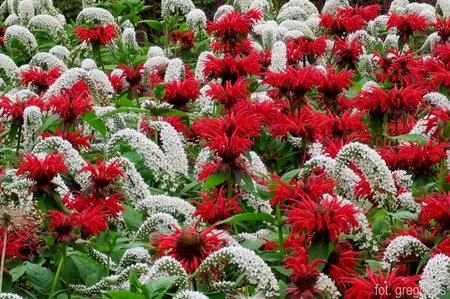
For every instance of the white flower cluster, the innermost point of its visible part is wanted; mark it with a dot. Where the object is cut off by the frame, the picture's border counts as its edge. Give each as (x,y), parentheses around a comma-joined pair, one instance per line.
(435,280)
(444,7)
(170,7)
(129,38)
(374,169)
(21,34)
(398,6)
(160,222)
(256,203)
(131,256)
(306,5)
(95,15)
(164,267)
(9,67)
(221,11)
(153,63)
(263,5)
(68,79)
(25,10)
(278,60)
(249,263)
(403,247)
(72,157)
(203,157)
(155,51)
(167,204)
(200,66)
(113,123)
(47,61)
(196,20)
(257,166)
(292,13)
(330,6)
(101,258)
(52,24)
(326,285)
(438,100)
(405,199)
(175,70)
(10,296)
(204,103)
(32,122)
(103,87)
(186,294)
(133,185)
(421,9)
(89,64)
(259,234)
(242,5)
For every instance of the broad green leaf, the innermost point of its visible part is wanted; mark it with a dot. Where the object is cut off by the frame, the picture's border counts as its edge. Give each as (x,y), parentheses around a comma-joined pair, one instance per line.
(132,218)
(122,294)
(290,175)
(159,91)
(40,278)
(49,122)
(17,272)
(319,249)
(249,217)
(213,180)
(157,288)
(91,118)
(409,137)
(153,24)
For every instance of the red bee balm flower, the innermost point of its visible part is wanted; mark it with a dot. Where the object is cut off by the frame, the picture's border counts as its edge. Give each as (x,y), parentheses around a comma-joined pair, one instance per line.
(132,75)
(437,207)
(15,108)
(215,208)
(407,24)
(75,138)
(42,170)
(189,247)
(63,226)
(40,78)
(179,92)
(229,94)
(97,34)
(102,175)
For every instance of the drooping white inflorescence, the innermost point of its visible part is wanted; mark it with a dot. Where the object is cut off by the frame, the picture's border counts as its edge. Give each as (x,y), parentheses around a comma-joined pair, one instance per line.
(435,280)
(164,267)
(95,15)
(258,204)
(25,10)
(135,255)
(327,286)
(103,87)
(101,258)
(167,204)
(253,267)
(186,294)
(32,122)
(60,52)
(170,7)
(68,79)
(278,61)
(200,66)
(134,185)
(155,51)
(129,38)
(292,13)
(159,222)
(47,22)
(257,166)
(373,168)
(8,67)
(47,61)
(21,34)
(196,20)
(403,247)
(175,70)
(438,100)
(444,7)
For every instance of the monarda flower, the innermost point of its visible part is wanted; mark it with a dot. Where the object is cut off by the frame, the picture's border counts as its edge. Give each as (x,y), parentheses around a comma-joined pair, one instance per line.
(71,103)
(231,68)
(229,94)
(443,29)
(103,175)
(437,207)
(378,285)
(304,48)
(63,225)
(39,78)
(406,25)
(76,138)
(327,219)
(346,53)
(132,75)
(190,247)
(14,109)
(110,206)
(304,278)
(185,40)
(180,92)
(97,35)
(215,208)
(42,170)
(331,84)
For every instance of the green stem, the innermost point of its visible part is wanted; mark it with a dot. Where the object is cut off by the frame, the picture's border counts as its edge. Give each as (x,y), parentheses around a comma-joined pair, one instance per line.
(2,263)
(280,229)
(97,52)
(230,187)
(58,272)
(19,137)
(64,254)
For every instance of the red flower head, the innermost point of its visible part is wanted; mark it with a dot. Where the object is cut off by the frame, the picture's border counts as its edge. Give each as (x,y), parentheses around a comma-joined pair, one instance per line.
(215,208)
(305,279)
(399,68)
(175,121)
(346,125)
(442,52)
(443,29)
(407,24)
(437,207)
(91,221)
(117,82)
(231,68)
(331,84)
(232,29)
(441,76)
(185,40)
(97,34)
(2,34)
(75,138)
(179,92)
(111,205)
(42,170)
(39,78)
(329,218)
(190,247)
(132,75)
(15,108)
(20,243)
(303,47)
(379,286)
(347,53)
(229,94)
(341,264)
(443,247)
(63,225)
(71,103)
(102,175)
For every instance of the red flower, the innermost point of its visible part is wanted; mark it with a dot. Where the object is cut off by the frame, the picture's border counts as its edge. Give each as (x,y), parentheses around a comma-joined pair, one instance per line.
(15,108)
(175,121)
(71,103)
(380,286)
(229,94)
(347,53)
(117,82)
(331,85)
(437,207)
(63,225)
(132,75)
(443,247)
(407,24)
(215,208)
(190,247)
(399,68)
(185,40)
(346,125)
(231,69)
(179,92)
(42,171)
(39,78)
(111,205)
(441,76)
(232,29)
(330,218)
(442,52)
(341,264)
(75,138)
(102,175)
(91,221)
(97,34)
(443,29)
(2,34)
(303,47)
(20,243)
(348,19)
(304,278)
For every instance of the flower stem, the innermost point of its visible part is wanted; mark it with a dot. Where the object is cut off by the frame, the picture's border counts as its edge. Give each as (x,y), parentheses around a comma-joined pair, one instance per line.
(2,263)
(19,137)
(58,272)
(280,229)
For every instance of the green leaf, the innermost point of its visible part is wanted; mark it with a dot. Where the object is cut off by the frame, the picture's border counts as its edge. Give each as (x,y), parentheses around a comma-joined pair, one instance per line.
(379,226)
(91,118)
(249,217)
(17,272)
(213,180)
(374,265)
(153,24)
(49,122)
(157,288)
(40,278)
(159,91)
(409,137)
(122,110)
(132,218)
(85,267)
(246,182)
(290,175)
(123,294)
(319,249)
